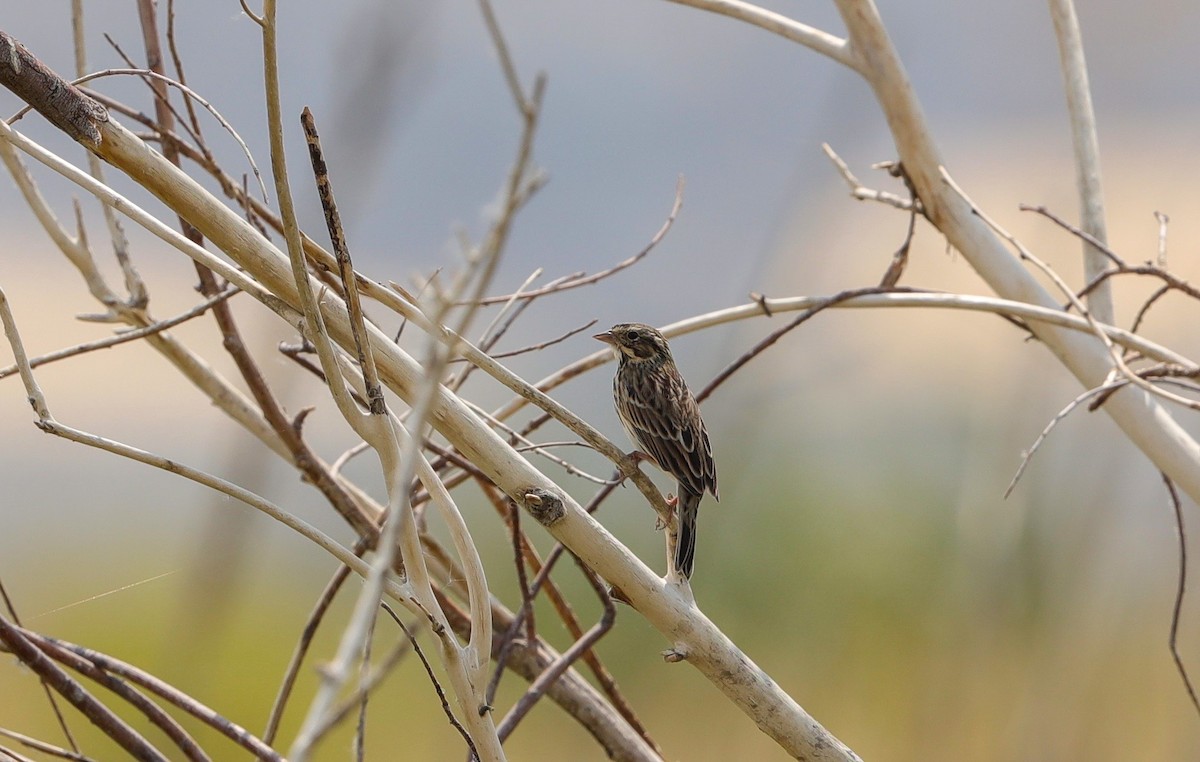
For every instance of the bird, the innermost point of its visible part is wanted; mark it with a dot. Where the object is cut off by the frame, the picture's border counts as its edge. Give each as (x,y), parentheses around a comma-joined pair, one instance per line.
(657,409)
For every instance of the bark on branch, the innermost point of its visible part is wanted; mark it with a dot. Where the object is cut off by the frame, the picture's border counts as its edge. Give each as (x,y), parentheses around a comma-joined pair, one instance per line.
(50,95)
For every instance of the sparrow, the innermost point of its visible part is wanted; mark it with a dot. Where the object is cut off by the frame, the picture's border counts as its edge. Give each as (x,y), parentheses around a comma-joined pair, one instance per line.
(662,418)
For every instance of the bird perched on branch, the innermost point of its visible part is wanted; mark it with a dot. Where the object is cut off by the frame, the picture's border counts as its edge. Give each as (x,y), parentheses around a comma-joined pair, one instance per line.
(663,420)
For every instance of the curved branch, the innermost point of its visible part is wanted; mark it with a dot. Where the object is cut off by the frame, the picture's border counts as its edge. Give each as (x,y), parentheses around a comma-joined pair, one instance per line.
(820,41)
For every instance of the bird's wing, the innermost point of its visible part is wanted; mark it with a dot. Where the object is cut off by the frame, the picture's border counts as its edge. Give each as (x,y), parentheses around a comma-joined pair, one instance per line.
(668,427)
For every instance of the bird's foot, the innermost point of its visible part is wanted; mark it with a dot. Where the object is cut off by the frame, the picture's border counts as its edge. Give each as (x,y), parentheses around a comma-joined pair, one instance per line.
(630,464)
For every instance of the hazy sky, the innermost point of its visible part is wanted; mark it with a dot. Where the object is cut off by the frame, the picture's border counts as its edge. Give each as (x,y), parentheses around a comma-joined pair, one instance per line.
(420,129)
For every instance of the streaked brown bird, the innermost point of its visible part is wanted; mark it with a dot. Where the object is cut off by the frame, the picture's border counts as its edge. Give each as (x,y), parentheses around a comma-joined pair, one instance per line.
(663,420)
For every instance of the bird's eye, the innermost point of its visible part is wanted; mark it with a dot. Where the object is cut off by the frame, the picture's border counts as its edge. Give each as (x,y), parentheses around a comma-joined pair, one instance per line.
(634,335)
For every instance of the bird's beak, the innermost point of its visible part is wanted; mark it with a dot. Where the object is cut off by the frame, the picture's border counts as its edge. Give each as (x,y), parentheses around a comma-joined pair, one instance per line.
(606,337)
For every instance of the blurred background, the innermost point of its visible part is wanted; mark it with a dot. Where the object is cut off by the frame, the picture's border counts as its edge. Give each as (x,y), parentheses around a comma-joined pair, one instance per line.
(862,552)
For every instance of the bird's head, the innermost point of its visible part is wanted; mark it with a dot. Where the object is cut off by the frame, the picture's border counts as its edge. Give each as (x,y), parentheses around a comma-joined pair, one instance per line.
(636,342)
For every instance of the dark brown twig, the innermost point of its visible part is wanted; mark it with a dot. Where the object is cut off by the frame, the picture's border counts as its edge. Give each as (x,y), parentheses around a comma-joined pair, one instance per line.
(324,600)
(1122,268)
(900,259)
(544,344)
(433,679)
(518,540)
(58,715)
(167,692)
(164,111)
(791,325)
(354,701)
(150,710)
(580,647)
(1180,591)
(337,236)
(1159,293)
(181,78)
(96,712)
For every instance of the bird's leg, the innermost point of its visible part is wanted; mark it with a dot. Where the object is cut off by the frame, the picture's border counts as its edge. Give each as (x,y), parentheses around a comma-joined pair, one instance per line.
(637,456)
(672,503)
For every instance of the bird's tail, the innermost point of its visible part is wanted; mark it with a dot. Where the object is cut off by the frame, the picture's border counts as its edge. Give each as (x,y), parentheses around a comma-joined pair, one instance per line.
(685,541)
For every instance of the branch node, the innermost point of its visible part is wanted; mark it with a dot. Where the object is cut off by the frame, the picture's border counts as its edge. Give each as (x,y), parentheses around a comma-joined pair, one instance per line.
(761,301)
(675,655)
(545,506)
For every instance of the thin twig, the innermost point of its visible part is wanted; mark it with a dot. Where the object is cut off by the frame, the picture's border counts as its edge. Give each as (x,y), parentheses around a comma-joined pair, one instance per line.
(1027,456)
(1078,232)
(369,683)
(153,713)
(169,693)
(125,336)
(165,114)
(511,310)
(134,285)
(817,40)
(44,747)
(900,259)
(487,338)
(780,332)
(568,657)
(514,526)
(1180,591)
(530,446)
(506,62)
(1115,357)
(186,91)
(54,707)
(341,250)
(433,679)
(863,193)
(364,693)
(549,343)
(100,715)
(585,280)
(1159,293)
(324,600)
(177,61)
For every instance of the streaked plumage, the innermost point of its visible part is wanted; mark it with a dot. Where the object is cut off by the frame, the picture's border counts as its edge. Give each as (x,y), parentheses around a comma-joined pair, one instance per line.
(663,420)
